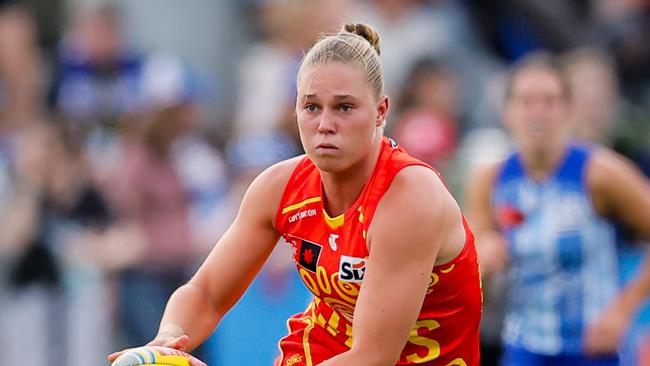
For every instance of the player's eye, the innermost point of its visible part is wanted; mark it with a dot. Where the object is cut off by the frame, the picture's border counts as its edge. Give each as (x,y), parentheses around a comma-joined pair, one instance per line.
(311,108)
(345,107)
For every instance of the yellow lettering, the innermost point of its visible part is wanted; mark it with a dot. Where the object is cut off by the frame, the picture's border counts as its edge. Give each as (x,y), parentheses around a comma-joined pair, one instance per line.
(432,346)
(457,362)
(293,360)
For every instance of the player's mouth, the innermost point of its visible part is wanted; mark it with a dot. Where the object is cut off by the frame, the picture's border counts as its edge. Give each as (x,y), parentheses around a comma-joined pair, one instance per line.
(326,147)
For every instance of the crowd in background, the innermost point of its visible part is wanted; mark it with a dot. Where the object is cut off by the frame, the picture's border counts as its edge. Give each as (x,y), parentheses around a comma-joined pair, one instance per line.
(121,162)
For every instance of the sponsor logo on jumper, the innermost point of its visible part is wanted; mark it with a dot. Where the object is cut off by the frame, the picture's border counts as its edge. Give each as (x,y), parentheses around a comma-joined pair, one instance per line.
(332,241)
(352,269)
(302,214)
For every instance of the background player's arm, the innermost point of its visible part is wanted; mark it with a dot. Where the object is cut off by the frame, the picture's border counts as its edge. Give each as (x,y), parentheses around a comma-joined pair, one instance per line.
(491,246)
(411,224)
(619,191)
(195,308)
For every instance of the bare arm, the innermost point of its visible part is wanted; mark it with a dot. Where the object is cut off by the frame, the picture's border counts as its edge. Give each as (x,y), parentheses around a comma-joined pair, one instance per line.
(621,192)
(490,244)
(194,310)
(412,225)
(197,307)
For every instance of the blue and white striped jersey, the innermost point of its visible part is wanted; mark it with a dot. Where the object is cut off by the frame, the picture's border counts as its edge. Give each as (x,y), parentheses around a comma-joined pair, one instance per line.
(563,265)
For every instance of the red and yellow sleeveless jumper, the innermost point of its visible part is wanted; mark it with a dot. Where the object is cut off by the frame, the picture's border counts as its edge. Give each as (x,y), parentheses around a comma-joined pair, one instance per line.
(330,255)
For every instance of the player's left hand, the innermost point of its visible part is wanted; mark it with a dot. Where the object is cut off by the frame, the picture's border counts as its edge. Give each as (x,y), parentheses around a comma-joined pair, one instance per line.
(604,336)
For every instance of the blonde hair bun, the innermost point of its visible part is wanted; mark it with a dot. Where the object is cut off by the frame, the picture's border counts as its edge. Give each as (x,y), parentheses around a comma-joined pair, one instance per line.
(366,32)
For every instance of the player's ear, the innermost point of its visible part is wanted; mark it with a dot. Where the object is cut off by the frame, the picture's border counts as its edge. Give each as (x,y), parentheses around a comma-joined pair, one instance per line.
(382,110)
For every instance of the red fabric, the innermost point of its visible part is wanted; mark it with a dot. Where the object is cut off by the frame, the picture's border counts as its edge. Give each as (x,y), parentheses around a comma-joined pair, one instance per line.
(446,332)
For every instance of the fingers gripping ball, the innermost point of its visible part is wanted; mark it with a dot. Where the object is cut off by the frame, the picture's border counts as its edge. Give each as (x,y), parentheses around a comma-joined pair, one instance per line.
(154,356)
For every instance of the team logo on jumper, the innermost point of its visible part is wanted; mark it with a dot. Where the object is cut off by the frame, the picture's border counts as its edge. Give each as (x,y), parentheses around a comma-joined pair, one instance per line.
(332,241)
(309,254)
(352,269)
(393,143)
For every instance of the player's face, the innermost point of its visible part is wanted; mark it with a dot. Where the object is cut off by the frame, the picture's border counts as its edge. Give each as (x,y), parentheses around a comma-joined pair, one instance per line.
(537,110)
(338,115)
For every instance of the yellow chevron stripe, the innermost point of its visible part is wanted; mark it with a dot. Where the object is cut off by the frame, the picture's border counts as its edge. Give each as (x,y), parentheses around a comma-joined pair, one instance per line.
(334,222)
(298,205)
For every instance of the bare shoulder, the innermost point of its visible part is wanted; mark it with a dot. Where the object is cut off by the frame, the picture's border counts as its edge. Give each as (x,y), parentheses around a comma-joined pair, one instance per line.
(268,188)
(419,192)
(416,215)
(417,182)
(613,179)
(606,165)
(609,170)
(275,177)
(619,190)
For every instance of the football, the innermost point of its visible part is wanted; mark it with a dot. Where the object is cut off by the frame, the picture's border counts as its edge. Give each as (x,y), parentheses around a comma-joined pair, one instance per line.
(154,356)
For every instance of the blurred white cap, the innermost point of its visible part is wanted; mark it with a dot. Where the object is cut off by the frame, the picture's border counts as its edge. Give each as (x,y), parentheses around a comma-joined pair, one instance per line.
(166,82)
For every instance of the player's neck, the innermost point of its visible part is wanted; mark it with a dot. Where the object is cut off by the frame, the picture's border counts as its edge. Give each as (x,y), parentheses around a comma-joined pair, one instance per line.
(540,165)
(341,189)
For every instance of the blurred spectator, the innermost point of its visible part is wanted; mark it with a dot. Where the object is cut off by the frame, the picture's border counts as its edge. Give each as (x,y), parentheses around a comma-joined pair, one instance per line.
(158,192)
(97,80)
(600,114)
(267,72)
(427,123)
(28,275)
(62,242)
(73,219)
(514,28)
(20,69)
(595,105)
(438,29)
(48,16)
(31,276)
(169,83)
(626,24)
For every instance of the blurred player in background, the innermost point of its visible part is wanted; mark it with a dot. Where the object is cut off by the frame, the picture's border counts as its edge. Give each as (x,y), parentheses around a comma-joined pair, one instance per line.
(547,214)
(357,209)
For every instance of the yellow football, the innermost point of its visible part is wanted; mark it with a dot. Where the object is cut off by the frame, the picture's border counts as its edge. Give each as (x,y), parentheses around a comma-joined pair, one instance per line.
(153,356)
